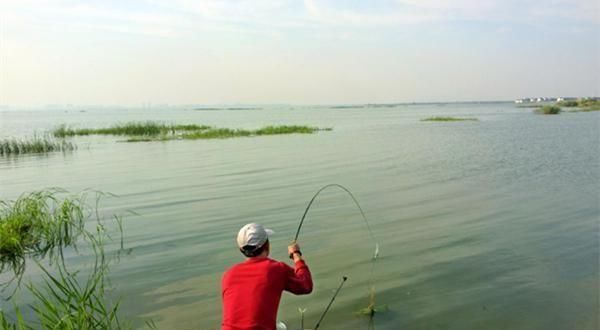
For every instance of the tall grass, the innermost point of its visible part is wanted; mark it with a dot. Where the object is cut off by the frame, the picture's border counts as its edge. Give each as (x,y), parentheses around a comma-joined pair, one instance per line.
(273,130)
(38,224)
(147,128)
(153,131)
(41,222)
(223,133)
(36,144)
(67,300)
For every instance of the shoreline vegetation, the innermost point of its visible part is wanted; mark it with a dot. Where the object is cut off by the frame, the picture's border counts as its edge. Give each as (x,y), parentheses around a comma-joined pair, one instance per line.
(582,105)
(449,119)
(579,105)
(34,145)
(39,226)
(153,131)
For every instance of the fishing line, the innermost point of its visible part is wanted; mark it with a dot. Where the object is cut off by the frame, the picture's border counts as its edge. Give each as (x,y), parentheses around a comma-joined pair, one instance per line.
(370,310)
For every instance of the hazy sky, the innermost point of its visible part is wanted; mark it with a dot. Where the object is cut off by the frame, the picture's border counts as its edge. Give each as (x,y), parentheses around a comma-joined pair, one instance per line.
(279,51)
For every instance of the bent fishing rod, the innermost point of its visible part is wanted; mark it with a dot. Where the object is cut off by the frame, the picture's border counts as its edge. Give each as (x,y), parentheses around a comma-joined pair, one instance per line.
(371,306)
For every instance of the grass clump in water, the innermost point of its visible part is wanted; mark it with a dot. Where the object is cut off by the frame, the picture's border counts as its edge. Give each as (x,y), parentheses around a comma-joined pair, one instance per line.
(40,223)
(449,119)
(36,144)
(36,225)
(549,110)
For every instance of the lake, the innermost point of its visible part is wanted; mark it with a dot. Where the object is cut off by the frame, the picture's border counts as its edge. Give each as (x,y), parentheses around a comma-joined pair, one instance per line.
(488,224)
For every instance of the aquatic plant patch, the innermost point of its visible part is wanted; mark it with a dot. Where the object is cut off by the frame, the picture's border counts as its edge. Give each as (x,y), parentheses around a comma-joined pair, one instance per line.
(449,119)
(154,131)
(40,223)
(33,145)
(224,133)
(148,128)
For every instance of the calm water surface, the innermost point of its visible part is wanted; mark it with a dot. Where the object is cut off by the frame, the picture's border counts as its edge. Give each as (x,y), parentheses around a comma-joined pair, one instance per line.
(482,225)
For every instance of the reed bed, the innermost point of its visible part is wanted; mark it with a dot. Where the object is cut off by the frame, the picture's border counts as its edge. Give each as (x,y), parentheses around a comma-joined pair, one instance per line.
(449,119)
(224,133)
(147,128)
(155,131)
(36,144)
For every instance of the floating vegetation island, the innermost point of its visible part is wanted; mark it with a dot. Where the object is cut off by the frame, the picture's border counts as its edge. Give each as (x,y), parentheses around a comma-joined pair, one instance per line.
(133,128)
(33,145)
(153,131)
(449,119)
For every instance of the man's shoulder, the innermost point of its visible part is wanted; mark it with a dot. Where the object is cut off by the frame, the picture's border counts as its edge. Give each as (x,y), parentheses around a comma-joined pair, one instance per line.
(231,269)
(280,264)
(266,262)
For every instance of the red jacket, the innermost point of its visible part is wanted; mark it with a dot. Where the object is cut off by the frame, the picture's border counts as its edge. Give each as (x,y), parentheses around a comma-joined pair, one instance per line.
(251,291)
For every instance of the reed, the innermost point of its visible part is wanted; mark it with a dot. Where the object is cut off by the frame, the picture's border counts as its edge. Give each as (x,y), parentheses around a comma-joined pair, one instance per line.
(147,128)
(449,119)
(274,130)
(39,223)
(36,144)
(224,133)
(36,225)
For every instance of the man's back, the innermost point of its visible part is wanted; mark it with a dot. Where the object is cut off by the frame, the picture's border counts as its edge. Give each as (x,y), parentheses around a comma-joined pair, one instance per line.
(252,290)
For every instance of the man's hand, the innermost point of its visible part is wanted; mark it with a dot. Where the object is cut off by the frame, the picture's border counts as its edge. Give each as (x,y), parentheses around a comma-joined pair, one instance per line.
(294,252)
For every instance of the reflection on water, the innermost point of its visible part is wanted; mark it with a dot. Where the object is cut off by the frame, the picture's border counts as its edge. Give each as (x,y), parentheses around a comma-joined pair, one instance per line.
(490,224)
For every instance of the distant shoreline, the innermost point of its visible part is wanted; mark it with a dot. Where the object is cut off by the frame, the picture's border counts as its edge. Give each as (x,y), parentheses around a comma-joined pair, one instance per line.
(242,107)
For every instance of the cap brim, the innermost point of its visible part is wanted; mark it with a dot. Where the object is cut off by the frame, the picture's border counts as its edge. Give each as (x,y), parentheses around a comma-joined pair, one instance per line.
(269,231)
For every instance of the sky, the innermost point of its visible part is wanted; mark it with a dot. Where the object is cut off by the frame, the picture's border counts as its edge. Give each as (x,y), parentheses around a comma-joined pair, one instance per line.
(119,52)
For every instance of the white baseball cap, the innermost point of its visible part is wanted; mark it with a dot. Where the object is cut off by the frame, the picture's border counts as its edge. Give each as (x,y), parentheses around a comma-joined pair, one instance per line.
(253,234)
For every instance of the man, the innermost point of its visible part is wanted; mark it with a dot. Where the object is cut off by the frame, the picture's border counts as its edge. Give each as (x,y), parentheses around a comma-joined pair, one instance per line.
(251,290)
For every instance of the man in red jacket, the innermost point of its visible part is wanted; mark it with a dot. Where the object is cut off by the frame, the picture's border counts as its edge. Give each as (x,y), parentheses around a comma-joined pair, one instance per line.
(251,290)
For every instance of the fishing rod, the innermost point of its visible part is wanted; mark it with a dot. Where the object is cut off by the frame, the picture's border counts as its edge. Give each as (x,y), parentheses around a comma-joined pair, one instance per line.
(317,194)
(371,309)
(331,302)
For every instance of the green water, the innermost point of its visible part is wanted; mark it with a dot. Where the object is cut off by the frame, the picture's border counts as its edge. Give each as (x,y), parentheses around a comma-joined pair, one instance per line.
(482,225)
